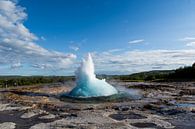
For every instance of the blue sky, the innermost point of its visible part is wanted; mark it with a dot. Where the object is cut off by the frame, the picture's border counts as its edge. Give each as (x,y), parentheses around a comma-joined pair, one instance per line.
(124,36)
(107,24)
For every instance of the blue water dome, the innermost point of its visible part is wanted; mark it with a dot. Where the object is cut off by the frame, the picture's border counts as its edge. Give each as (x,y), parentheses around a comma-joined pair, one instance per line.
(87,85)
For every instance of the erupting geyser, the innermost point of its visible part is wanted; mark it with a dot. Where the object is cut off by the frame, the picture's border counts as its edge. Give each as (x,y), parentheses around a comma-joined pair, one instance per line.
(87,85)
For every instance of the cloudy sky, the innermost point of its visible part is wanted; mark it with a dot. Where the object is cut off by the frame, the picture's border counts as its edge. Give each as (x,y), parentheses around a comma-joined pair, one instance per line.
(41,37)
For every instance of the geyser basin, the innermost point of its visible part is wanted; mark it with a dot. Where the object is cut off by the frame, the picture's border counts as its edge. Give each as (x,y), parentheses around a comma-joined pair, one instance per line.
(87,85)
(123,95)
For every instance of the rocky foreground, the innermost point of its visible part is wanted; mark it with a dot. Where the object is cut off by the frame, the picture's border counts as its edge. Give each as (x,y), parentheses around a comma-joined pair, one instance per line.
(162,106)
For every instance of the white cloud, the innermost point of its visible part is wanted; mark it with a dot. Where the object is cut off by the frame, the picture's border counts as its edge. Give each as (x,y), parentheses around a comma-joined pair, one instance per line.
(42,66)
(17,43)
(115,50)
(16,65)
(187,39)
(75,45)
(75,48)
(43,38)
(136,61)
(191,44)
(136,41)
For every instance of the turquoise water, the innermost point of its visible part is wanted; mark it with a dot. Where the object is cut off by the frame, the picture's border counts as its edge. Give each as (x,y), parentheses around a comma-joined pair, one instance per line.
(87,85)
(124,94)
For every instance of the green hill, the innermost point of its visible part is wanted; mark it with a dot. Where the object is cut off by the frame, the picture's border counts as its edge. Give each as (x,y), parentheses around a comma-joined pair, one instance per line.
(180,74)
(184,73)
(144,76)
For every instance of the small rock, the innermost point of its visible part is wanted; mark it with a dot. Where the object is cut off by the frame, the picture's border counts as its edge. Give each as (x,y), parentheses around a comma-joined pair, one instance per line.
(32,113)
(124,108)
(7,125)
(90,108)
(50,116)
(115,108)
(193,111)
(73,115)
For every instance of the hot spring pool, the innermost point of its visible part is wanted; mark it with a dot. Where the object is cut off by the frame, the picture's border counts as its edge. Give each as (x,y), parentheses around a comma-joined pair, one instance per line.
(124,94)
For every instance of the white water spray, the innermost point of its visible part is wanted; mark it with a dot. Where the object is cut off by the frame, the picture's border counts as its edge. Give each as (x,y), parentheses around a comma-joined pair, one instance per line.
(87,85)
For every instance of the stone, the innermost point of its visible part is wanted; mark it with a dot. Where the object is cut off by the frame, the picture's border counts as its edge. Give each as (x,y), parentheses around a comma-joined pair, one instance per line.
(7,125)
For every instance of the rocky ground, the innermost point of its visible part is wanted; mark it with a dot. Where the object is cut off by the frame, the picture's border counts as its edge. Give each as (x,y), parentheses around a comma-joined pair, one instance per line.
(160,106)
